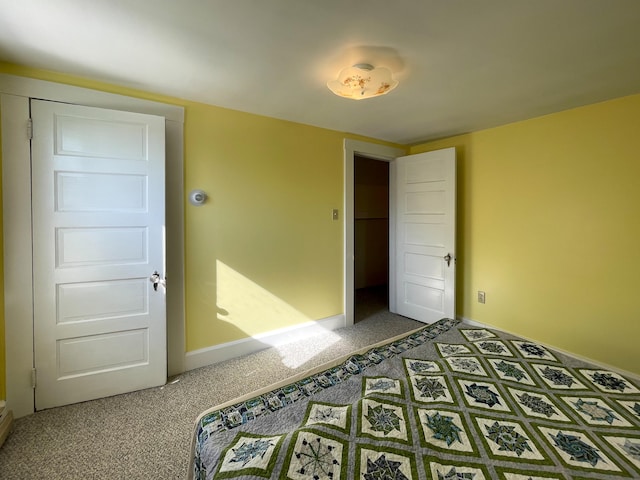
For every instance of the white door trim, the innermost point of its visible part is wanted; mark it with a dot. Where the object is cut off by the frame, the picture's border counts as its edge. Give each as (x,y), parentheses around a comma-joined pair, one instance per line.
(14,106)
(377,152)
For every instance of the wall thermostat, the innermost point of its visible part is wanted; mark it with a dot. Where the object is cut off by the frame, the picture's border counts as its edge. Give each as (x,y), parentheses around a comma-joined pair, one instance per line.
(197,197)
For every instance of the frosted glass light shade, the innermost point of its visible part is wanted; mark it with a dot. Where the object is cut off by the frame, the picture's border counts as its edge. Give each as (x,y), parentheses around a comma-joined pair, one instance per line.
(362,81)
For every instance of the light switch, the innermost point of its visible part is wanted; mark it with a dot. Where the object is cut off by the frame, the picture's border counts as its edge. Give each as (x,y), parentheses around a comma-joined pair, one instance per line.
(334,214)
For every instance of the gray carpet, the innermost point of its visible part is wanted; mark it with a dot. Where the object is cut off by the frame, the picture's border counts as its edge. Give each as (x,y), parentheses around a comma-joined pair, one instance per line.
(147,434)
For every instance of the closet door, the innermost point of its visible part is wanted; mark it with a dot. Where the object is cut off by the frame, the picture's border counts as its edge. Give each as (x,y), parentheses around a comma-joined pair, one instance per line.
(98,236)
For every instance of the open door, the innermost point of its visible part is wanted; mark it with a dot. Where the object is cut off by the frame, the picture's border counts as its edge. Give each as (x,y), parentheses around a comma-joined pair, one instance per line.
(424,251)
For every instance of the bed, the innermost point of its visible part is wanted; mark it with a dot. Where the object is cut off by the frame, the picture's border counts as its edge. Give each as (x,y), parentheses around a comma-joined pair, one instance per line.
(447,401)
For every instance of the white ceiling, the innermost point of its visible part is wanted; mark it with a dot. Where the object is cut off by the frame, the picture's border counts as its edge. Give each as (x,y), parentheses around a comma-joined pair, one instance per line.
(463,65)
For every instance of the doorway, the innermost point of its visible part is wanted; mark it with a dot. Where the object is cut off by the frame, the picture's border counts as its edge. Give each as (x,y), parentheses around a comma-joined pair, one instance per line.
(421,230)
(371,237)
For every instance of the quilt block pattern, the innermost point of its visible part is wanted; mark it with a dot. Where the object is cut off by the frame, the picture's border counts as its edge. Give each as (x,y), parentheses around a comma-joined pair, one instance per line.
(448,403)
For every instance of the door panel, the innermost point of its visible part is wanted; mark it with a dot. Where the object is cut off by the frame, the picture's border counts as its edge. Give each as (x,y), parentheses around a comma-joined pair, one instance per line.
(98,213)
(100,138)
(423,296)
(426,266)
(93,192)
(422,234)
(425,233)
(425,202)
(102,353)
(92,301)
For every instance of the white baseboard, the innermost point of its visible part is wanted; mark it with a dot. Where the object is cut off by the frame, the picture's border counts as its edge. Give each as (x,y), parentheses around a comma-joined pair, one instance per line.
(226,351)
(598,364)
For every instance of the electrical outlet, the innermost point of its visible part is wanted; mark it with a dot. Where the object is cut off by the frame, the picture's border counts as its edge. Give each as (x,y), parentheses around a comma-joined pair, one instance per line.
(334,214)
(481,296)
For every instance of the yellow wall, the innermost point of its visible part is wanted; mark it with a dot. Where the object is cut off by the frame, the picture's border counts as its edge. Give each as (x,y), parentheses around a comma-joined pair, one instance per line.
(264,253)
(549,222)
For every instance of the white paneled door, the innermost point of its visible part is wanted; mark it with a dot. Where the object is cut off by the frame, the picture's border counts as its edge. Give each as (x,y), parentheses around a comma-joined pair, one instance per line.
(425,206)
(98,227)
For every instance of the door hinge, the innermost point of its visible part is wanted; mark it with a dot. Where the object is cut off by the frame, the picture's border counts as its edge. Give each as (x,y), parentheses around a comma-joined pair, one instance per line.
(33,378)
(30,129)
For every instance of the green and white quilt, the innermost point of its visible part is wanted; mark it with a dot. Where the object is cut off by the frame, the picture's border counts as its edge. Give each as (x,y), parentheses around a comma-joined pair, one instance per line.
(447,401)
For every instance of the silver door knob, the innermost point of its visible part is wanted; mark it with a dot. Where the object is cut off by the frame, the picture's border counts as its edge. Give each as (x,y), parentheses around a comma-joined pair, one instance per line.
(155,279)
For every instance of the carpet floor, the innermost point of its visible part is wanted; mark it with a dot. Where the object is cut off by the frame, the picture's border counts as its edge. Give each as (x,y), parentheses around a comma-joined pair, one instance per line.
(147,434)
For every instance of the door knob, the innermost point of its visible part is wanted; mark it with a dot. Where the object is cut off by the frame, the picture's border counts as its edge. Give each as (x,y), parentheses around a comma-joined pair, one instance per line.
(447,257)
(155,279)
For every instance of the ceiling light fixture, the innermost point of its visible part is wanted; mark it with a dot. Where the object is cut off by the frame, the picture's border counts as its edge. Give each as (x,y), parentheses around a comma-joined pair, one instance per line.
(362,81)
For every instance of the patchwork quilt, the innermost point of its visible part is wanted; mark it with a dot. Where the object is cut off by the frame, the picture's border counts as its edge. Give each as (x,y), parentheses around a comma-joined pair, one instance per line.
(447,401)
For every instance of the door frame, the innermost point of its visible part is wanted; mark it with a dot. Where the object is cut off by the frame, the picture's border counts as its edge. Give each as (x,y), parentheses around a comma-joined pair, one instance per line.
(15,93)
(377,152)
